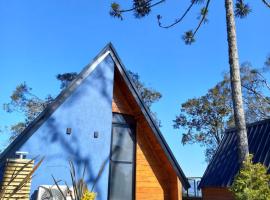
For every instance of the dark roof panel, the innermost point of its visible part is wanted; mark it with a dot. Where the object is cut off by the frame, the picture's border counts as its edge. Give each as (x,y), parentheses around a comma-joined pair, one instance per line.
(224,165)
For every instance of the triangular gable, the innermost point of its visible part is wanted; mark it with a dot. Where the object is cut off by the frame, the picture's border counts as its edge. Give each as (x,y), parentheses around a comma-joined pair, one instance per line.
(108,50)
(120,66)
(59,100)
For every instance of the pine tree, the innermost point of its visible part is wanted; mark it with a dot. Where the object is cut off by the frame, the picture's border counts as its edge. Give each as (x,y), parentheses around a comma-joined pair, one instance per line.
(241,10)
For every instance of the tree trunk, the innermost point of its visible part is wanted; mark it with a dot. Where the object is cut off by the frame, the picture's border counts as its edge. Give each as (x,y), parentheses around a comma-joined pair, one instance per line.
(239,115)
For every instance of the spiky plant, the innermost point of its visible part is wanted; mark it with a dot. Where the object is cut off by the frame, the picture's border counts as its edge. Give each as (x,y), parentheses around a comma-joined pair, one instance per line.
(80,190)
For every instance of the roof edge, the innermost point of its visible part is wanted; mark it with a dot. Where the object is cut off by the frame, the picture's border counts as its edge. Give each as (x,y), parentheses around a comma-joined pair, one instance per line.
(266,120)
(211,161)
(149,118)
(64,94)
(228,132)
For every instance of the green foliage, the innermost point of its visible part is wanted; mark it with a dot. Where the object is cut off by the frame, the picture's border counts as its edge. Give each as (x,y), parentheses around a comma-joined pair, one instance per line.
(142,8)
(149,95)
(25,102)
(252,182)
(116,11)
(255,89)
(241,9)
(188,37)
(16,129)
(66,79)
(203,120)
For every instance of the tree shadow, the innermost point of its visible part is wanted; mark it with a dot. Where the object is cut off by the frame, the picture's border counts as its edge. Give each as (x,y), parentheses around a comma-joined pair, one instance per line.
(53,143)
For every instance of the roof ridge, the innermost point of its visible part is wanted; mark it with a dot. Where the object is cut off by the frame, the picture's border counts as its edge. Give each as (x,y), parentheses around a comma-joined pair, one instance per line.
(64,94)
(35,124)
(263,121)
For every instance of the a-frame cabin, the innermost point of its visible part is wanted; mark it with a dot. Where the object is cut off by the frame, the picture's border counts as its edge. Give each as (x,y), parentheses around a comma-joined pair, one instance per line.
(108,122)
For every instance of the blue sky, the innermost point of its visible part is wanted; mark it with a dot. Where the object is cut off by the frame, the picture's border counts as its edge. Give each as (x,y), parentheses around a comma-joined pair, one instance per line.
(40,39)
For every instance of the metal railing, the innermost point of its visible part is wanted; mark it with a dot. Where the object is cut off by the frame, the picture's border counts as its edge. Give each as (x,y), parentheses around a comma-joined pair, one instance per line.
(193,191)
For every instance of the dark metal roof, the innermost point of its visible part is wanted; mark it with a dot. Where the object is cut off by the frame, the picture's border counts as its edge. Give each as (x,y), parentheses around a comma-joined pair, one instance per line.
(67,92)
(224,165)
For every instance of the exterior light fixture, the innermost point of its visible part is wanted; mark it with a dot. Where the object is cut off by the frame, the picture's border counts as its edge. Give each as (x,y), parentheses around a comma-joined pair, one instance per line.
(96,134)
(69,130)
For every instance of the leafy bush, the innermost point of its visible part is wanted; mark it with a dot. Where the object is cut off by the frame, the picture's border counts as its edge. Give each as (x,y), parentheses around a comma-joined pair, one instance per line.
(252,182)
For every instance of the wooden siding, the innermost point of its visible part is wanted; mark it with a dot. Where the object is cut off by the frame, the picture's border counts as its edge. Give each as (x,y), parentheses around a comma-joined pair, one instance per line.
(155,177)
(179,189)
(17,169)
(217,194)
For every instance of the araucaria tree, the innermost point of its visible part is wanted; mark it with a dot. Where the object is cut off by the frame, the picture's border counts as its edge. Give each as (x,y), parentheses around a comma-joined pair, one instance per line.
(142,8)
(239,116)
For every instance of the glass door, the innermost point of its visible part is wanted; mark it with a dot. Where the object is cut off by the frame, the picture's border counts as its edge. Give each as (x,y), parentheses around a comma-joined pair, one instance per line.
(121,182)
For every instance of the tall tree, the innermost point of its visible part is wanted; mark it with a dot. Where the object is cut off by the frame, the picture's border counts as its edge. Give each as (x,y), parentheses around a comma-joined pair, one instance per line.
(142,8)
(24,101)
(203,120)
(239,115)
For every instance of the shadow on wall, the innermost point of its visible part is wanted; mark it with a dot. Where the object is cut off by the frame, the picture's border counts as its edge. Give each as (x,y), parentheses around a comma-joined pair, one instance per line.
(86,110)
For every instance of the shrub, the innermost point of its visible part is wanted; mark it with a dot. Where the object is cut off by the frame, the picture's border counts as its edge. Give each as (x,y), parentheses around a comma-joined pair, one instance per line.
(252,182)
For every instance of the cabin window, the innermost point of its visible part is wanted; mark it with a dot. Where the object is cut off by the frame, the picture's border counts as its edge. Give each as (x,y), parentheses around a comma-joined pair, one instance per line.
(121,184)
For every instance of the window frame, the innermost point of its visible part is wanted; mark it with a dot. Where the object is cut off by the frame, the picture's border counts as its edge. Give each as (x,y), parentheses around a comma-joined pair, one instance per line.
(126,121)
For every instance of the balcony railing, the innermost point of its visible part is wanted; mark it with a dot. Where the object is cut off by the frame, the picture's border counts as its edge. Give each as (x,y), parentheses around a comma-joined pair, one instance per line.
(193,191)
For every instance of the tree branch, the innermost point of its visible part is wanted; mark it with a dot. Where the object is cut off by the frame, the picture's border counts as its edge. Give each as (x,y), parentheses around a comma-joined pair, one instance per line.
(179,19)
(216,136)
(257,94)
(266,3)
(264,80)
(254,108)
(134,8)
(203,17)
(155,4)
